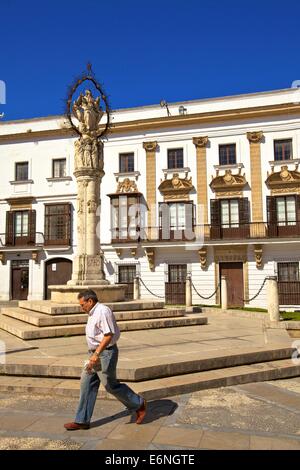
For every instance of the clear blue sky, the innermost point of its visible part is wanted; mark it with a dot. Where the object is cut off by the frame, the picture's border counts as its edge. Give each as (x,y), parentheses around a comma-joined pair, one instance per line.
(145,51)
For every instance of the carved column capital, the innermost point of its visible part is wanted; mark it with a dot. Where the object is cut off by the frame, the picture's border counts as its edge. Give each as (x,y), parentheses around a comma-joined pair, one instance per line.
(200,141)
(258,251)
(150,146)
(203,256)
(255,137)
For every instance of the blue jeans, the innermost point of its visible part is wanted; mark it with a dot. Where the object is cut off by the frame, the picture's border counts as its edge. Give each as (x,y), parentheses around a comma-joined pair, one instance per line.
(89,385)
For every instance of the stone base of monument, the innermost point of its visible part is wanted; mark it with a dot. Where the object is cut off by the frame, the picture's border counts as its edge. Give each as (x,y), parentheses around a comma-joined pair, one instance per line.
(105,292)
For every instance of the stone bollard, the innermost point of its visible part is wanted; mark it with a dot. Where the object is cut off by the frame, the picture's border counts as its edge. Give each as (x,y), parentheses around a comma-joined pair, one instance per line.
(273,298)
(136,288)
(224,303)
(188,292)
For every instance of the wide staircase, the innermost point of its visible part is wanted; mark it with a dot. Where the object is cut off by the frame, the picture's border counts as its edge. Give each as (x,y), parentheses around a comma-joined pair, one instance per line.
(156,359)
(46,319)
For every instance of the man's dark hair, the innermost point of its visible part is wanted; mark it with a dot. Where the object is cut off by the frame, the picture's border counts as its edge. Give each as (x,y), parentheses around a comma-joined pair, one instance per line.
(87,295)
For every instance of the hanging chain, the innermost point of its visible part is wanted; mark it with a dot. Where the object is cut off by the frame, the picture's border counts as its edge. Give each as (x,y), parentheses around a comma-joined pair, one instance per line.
(152,293)
(257,294)
(202,297)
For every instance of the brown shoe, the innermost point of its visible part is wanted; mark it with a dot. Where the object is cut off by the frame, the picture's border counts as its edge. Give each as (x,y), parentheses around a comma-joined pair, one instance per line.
(141,413)
(74,426)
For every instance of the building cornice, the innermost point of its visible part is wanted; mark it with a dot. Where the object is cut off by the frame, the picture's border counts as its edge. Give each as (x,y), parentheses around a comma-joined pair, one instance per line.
(169,121)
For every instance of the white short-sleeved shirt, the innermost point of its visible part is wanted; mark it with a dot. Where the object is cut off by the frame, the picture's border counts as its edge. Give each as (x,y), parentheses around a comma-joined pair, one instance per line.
(101,321)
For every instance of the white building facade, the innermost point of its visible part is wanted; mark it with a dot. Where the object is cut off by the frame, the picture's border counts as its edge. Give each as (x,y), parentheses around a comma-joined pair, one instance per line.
(213,189)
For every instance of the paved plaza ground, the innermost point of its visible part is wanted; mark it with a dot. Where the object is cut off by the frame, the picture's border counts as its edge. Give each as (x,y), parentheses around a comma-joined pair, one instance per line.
(253,416)
(263,415)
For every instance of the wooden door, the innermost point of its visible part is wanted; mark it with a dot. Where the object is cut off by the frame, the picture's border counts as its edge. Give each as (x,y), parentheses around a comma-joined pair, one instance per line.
(175,287)
(126,275)
(235,283)
(19,287)
(58,272)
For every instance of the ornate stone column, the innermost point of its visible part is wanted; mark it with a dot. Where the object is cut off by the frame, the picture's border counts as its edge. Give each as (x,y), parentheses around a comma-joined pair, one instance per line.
(151,148)
(88,263)
(255,139)
(201,144)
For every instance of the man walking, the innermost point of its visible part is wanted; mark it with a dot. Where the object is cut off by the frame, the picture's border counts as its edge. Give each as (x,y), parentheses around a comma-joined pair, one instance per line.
(102,334)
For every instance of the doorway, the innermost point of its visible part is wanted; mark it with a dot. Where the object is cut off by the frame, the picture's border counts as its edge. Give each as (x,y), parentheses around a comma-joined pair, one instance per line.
(175,287)
(235,283)
(19,279)
(58,272)
(126,275)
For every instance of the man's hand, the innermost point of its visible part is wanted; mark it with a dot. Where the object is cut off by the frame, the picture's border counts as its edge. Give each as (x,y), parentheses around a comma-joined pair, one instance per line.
(93,361)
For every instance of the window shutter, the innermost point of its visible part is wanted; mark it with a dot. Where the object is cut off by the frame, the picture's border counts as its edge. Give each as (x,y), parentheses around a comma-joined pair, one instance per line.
(32,219)
(68,223)
(9,235)
(244,217)
(215,212)
(271,210)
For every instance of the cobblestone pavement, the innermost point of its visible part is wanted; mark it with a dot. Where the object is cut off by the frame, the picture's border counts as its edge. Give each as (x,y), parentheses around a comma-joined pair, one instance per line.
(262,415)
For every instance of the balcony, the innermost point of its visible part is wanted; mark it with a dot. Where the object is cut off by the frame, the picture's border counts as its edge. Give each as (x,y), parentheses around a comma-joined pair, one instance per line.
(207,233)
(23,242)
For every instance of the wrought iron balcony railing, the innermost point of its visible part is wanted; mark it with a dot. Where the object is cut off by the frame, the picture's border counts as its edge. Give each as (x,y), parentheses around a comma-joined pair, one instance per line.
(248,231)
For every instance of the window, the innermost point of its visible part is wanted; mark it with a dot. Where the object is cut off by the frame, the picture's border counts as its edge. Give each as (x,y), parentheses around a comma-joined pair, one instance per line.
(21,226)
(126,162)
(286,210)
(57,224)
(21,171)
(175,158)
(288,271)
(230,213)
(177,216)
(59,168)
(227,154)
(283,149)
(177,272)
(126,217)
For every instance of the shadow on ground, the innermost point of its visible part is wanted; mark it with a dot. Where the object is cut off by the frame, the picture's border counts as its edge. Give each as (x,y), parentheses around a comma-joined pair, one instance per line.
(156,409)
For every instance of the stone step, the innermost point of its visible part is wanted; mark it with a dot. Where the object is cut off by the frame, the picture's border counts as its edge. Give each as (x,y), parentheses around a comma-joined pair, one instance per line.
(161,388)
(27,332)
(54,308)
(144,369)
(42,319)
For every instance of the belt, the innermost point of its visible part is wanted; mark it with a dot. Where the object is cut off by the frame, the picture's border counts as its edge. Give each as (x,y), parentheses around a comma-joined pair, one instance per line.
(109,347)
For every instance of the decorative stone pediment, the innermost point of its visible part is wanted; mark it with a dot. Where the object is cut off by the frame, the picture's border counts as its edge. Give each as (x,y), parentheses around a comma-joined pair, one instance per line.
(176,188)
(127,186)
(284,178)
(228,181)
